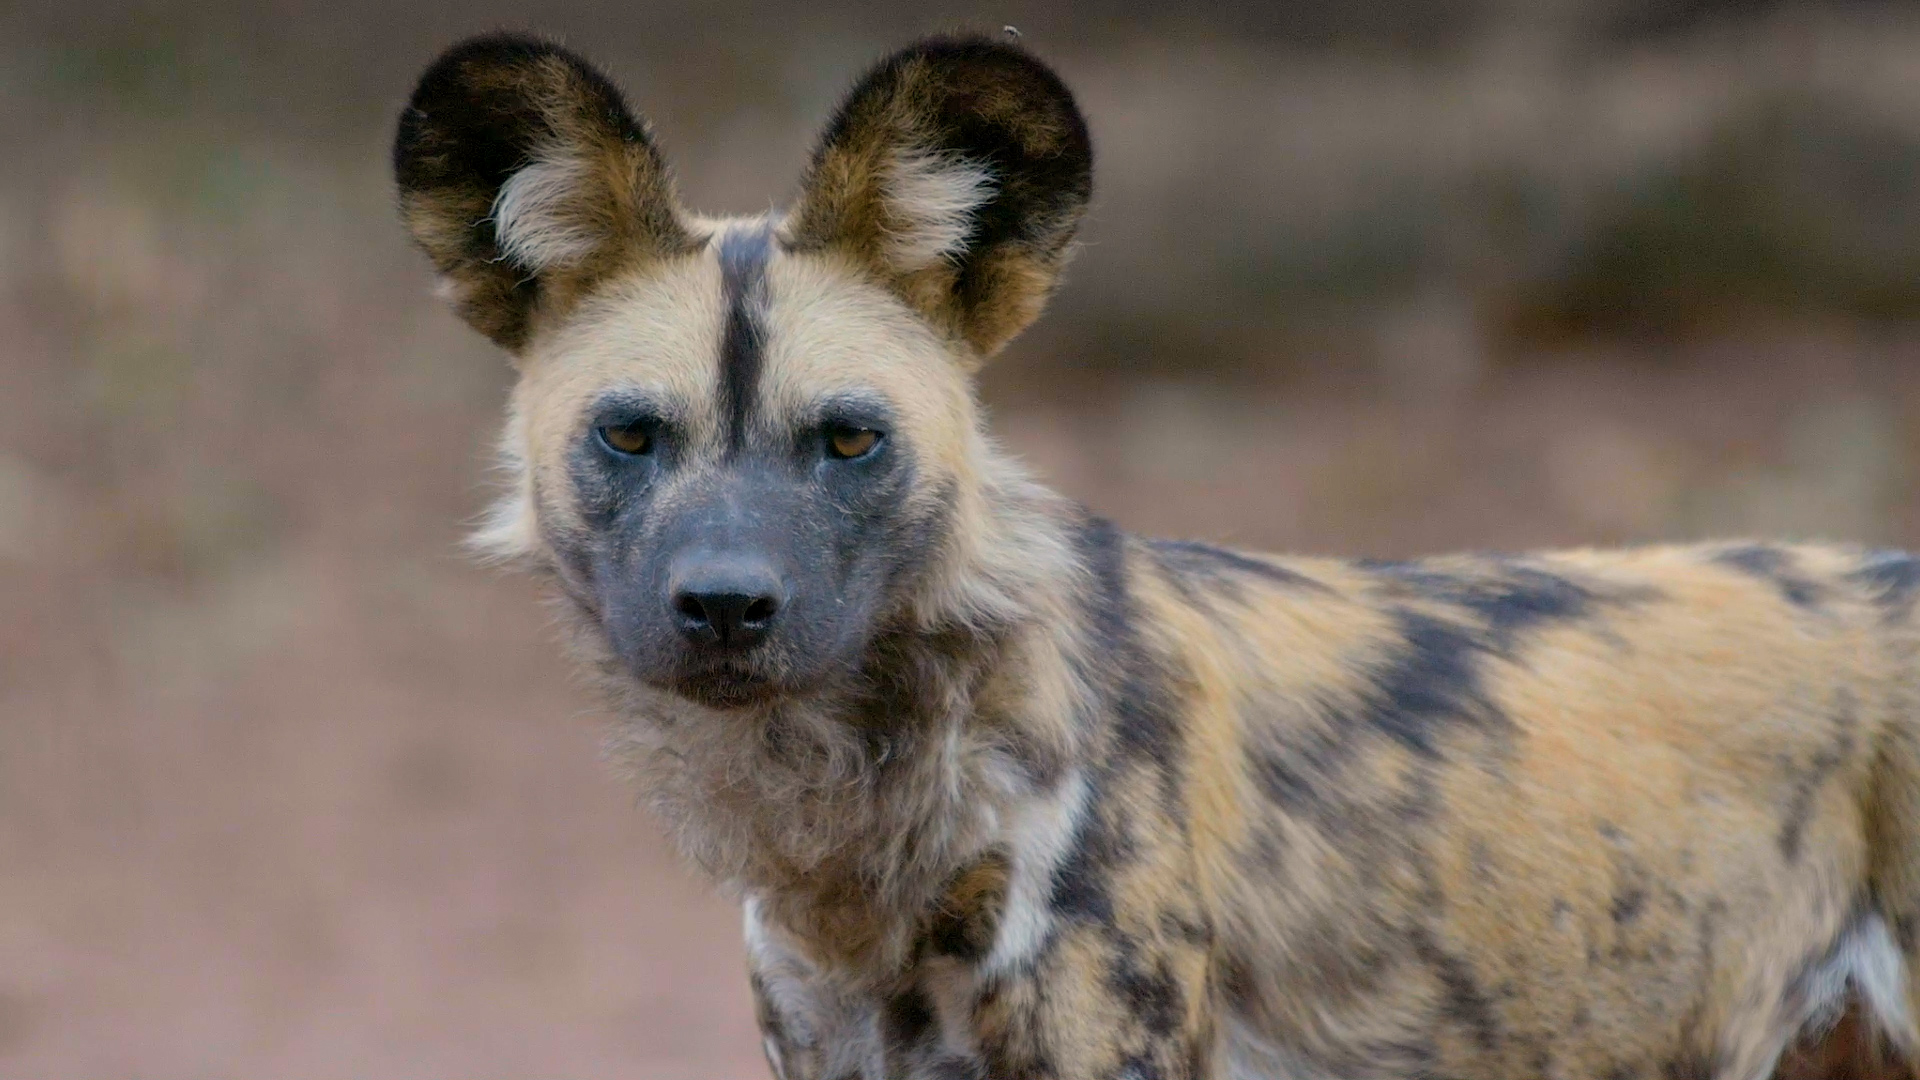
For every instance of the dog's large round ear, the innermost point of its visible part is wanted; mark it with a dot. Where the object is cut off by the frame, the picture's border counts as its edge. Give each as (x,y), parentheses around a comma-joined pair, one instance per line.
(524,176)
(957,171)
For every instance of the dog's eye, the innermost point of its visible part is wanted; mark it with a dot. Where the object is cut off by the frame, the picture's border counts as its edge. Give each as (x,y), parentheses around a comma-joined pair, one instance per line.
(852,442)
(627,438)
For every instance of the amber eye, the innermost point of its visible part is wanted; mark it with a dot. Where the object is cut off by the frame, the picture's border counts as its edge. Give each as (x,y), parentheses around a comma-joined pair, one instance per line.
(627,438)
(851,442)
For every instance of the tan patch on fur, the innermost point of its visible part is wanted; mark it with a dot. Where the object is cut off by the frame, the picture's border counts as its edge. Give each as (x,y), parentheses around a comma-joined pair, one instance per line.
(653,332)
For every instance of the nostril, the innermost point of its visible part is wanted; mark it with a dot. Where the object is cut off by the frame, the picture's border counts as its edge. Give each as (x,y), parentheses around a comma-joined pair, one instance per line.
(690,608)
(730,603)
(759,611)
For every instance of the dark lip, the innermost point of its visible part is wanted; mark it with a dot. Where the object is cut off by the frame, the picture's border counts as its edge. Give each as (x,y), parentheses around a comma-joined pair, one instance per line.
(737,681)
(724,688)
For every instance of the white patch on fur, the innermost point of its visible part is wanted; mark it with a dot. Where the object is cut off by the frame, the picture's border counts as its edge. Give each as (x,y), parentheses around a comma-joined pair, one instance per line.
(1865,964)
(933,198)
(835,1024)
(537,221)
(507,528)
(786,977)
(1040,834)
(759,949)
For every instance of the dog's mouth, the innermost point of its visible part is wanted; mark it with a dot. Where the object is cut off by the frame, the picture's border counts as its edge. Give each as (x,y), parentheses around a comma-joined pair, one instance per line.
(731,684)
(723,693)
(736,680)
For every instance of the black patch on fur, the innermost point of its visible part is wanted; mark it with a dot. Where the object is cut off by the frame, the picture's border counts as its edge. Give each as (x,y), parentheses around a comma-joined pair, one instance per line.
(1893,579)
(1188,562)
(1135,1067)
(1300,773)
(1137,709)
(1144,710)
(1628,904)
(1430,682)
(1807,784)
(1462,1001)
(1507,597)
(964,939)
(1524,599)
(965,931)
(906,1018)
(1150,992)
(1103,549)
(1082,883)
(1777,567)
(771,1027)
(743,283)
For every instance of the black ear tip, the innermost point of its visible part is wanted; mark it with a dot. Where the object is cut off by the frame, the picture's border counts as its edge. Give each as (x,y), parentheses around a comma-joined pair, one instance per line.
(496,50)
(494,88)
(987,55)
(972,46)
(454,71)
(969,80)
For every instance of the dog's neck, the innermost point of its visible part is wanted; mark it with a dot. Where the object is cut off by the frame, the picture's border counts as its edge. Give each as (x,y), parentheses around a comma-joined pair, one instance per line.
(847,814)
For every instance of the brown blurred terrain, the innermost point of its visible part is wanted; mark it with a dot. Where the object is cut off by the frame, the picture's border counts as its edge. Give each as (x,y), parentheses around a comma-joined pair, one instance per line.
(290,788)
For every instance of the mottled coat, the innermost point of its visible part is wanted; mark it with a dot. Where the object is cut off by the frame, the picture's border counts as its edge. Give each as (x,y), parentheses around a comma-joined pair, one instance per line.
(1007,792)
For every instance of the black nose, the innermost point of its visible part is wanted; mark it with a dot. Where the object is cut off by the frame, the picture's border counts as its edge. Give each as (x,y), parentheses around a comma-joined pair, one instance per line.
(726,601)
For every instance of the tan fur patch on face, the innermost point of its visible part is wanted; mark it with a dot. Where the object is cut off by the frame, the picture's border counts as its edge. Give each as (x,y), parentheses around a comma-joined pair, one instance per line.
(832,332)
(652,333)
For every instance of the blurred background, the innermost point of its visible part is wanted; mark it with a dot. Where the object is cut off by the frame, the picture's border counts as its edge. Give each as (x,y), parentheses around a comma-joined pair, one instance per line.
(290,788)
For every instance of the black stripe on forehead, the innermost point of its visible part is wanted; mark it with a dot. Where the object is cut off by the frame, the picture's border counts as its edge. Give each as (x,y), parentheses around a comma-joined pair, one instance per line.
(743,283)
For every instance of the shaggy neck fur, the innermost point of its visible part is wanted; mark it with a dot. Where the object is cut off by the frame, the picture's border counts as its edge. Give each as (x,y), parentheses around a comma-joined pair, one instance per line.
(845,814)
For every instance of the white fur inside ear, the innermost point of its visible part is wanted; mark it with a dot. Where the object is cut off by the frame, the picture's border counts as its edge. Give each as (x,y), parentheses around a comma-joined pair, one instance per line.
(932,198)
(537,216)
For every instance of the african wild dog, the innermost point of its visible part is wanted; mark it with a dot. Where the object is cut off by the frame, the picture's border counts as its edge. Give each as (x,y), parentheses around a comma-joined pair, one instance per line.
(1009,793)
